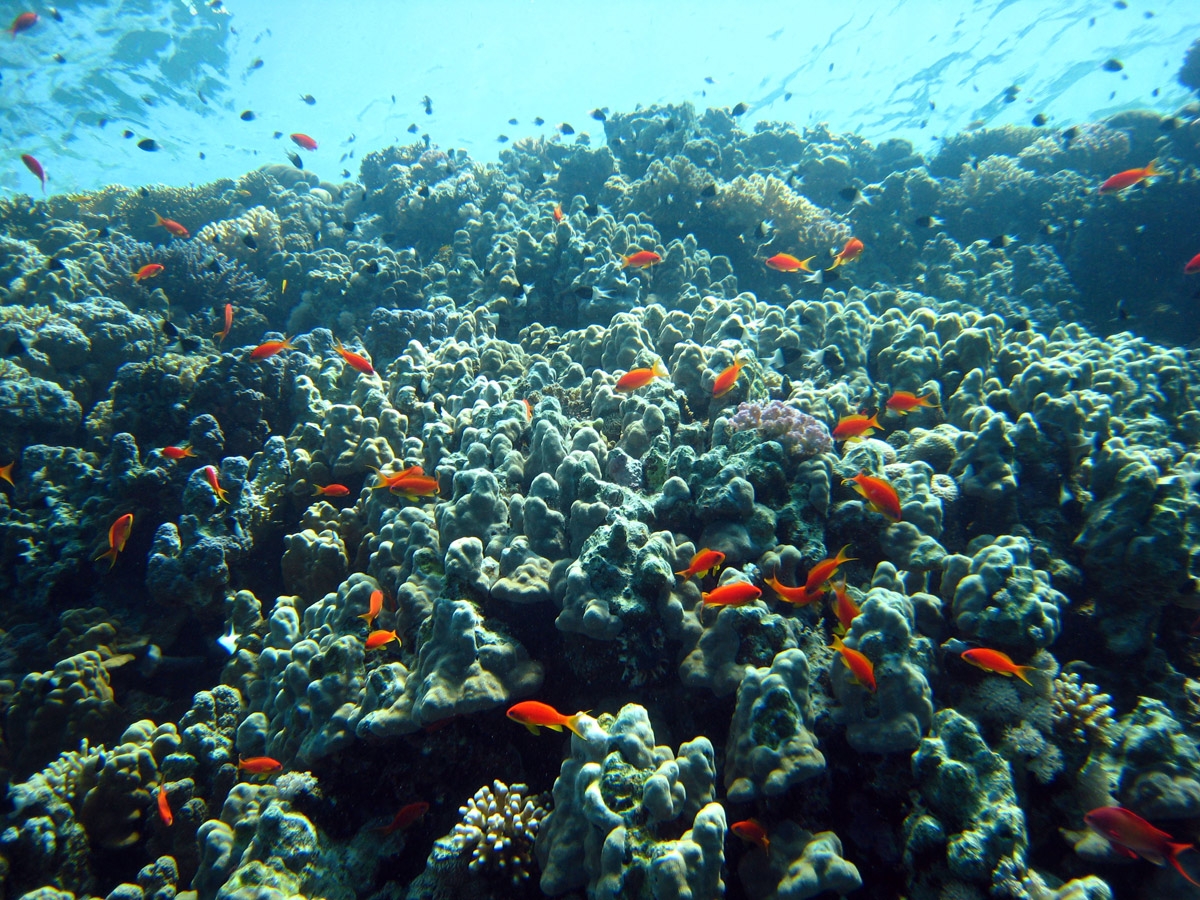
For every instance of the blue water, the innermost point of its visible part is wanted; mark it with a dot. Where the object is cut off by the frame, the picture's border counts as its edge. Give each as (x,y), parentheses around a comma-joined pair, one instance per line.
(919,69)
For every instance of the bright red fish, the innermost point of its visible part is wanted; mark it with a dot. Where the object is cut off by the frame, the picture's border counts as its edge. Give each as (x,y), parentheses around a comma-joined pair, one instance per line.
(172,226)
(149,270)
(878,493)
(386,481)
(221,335)
(638,378)
(303,141)
(31,162)
(750,830)
(164,807)
(533,714)
(210,475)
(267,349)
(785,262)
(851,252)
(376,607)
(727,379)
(797,596)
(904,402)
(558,213)
(855,427)
(413,486)
(178,452)
(1193,265)
(330,490)
(1134,836)
(354,360)
(643,259)
(259,765)
(404,819)
(735,593)
(118,535)
(825,569)
(860,667)
(703,561)
(1129,178)
(844,606)
(23,22)
(995,661)
(377,639)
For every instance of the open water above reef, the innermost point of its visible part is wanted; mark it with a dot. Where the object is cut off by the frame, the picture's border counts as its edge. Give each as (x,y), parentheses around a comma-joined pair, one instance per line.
(321,480)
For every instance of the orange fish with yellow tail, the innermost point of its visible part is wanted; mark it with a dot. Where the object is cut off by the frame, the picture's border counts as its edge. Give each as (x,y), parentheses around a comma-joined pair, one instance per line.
(734,593)
(703,561)
(118,536)
(534,715)
(998,662)
(825,569)
(638,378)
(860,667)
(879,494)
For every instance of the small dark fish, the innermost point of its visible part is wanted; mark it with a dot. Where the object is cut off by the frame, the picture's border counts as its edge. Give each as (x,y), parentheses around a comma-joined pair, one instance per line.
(249,241)
(1121,4)
(709,190)
(786,356)
(247,115)
(502,139)
(929,221)
(372,267)
(202,156)
(102,232)
(670,126)
(513,122)
(1153,93)
(54,264)
(1069,135)
(708,79)
(388,237)
(1010,98)
(787,95)
(539,121)
(59,58)
(170,329)
(214,266)
(412,129)
(740,109)
(309,99)
(1040,119)
(1122,313)
(932,105)
(829,276)
(1021,325)
(143,192)
(127,134)
(349,226)
(1170,123)
(764,229)
(55,14)
(277,135)
(1012,89)
(256,64)
(423,191)
(296,160)
(189,343)
(16,348)
(428,104)
(851,194)
(831,67)
(1000,241)
(565,128)
(591,209)
(1112,65)
(345,173)
(148,144)
(103,121)
(599,115)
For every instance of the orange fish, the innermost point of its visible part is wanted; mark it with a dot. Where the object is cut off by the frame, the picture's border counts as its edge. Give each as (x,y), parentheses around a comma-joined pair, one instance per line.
(855,427)
(797,596)
(750,830)
(267,349)
(1193,265)
(703,561)
(149,270)
(558,213)
(528,409)
(533,714)
(860,667)
(6,472)
(23,22)
(844,606)
(995,661)
(1132,835)
(118,535)
(386,481)
(825,569)
(330,490)
(727,379)
(377,639)
(164,807)
(354,360)
(210,475)
(735,593)
(643,259)
(221,335)
(879,494)
(303,141)
(785,262)
(178,452)
(414,485)
(172,226)
(1129,178)
(259,765)
(905,402)
(851,252)
(31,162)
(637,378)
(404,819)
(376,607)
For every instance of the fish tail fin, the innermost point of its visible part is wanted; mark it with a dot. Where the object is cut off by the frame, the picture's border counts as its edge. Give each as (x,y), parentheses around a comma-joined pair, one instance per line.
(682,573)
(110,554)
(1173,851)
(1022,672)
(1152,170)
(874,421)
(572,724)
(804,263)
(660,370)
(317,490)
(158,220)
(837,642)
(841,556)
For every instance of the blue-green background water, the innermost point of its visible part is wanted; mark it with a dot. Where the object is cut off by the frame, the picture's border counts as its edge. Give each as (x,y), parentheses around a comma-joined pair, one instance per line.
(920,70)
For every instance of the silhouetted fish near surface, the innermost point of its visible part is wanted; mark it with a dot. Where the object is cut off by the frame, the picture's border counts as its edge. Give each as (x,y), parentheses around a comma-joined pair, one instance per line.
(539,121)
(599,115)
(247,115)
(257,63)
(739,109)
(502,139)
(412,129)
(513,122)
(428,104)
(309,99)
(1069,135)
(1112,65)
(565,128)
(1039,120)
(296,160)
(148,144)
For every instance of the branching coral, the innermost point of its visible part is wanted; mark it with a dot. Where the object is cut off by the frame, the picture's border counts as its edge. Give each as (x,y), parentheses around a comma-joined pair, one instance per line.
(498,827)
(800,434)
(1080,711)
